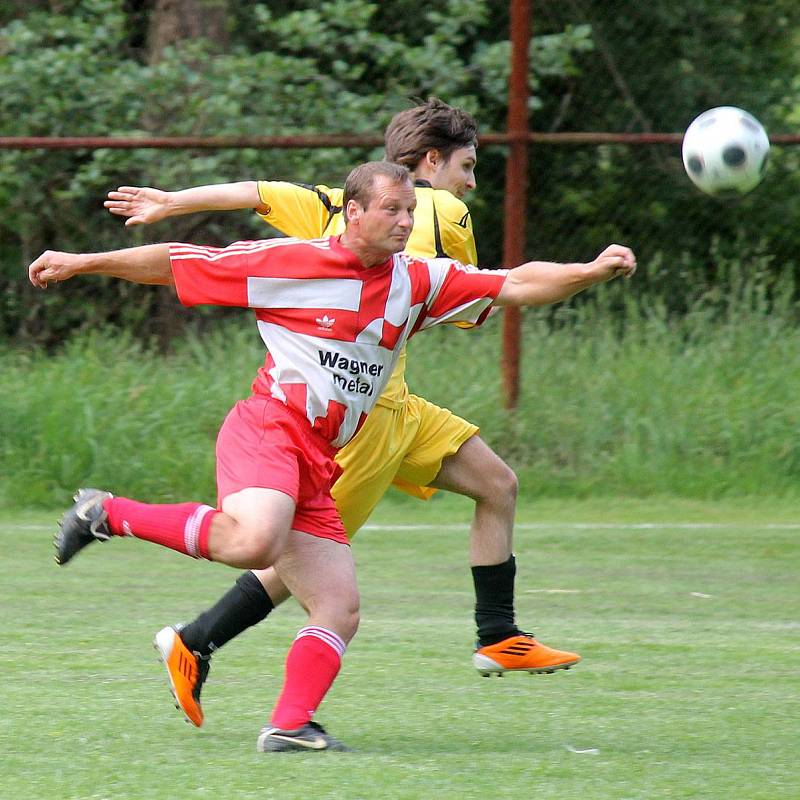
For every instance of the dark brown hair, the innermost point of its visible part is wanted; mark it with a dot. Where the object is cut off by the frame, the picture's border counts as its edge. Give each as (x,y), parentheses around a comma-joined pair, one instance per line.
(361,180)
(432,125)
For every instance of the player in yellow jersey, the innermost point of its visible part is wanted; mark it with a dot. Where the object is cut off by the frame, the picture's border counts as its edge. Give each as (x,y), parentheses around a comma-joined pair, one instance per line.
(405,440)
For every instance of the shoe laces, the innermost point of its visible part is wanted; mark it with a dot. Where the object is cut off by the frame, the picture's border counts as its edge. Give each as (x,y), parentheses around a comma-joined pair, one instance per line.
(99,527)
(94,513)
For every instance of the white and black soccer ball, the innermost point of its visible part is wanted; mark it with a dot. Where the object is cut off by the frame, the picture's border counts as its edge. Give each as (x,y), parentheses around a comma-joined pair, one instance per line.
(725,152)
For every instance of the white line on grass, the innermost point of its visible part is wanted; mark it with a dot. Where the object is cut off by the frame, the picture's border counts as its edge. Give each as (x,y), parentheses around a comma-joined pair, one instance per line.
(580,526)
(544,526)
(591,751)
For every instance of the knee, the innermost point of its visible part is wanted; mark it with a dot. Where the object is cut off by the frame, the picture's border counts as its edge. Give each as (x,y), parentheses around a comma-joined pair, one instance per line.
(346,618)
(500,485)
(259,551)
(511,485)
(336,611)
(350,619)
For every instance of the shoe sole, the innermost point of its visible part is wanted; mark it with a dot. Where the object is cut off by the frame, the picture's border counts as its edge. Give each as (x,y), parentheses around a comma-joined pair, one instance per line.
(493,668)
(285,747)
(296,749)
(289,746)
(60,543)
(162,657)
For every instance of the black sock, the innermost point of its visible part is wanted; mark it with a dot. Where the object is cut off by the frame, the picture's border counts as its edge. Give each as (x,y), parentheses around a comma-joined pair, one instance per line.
(243,605)
(494,602)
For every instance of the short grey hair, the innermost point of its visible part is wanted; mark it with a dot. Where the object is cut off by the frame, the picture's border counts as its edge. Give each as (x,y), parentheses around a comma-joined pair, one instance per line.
(360,182)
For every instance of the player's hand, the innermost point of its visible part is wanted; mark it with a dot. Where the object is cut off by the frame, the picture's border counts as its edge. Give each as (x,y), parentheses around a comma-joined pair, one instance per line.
(52,267)
(614,261)
(140,204)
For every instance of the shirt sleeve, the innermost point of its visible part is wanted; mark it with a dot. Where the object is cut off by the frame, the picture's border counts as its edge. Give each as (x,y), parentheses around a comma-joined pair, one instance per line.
(460,293)
(300,210)
(216,276)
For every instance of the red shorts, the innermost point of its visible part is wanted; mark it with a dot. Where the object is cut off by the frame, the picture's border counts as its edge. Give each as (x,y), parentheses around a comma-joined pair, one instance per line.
(263,444)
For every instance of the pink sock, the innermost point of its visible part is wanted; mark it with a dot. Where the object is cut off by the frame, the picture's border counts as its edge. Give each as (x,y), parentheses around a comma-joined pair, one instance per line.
(180,526)
(312,665)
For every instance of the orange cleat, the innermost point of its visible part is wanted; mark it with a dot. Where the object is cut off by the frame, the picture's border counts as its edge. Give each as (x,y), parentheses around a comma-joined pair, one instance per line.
(521,653)
(186,671)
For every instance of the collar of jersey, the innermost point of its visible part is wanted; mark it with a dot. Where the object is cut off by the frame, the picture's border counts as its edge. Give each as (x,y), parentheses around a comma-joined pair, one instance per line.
(353,260)
(421,184)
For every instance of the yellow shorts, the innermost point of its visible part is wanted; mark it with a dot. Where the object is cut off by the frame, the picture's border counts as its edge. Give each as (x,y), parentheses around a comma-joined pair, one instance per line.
(402,446)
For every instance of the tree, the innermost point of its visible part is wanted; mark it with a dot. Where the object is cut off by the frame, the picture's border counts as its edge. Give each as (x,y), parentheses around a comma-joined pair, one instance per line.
(175,21)
(207,67)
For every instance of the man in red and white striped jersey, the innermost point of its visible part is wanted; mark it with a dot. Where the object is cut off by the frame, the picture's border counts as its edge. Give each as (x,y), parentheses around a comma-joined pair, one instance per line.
(333,327)
(334,314)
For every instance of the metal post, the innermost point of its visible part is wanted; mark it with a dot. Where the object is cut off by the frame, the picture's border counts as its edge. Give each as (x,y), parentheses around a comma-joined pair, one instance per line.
(516,185)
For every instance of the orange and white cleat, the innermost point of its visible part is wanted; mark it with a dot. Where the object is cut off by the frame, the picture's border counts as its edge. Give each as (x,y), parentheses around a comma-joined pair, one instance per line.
(186,670)
(521,653)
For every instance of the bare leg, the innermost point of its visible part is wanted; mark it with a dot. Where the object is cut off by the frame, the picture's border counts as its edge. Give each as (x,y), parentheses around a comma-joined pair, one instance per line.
(273,585)
(252,530)
(320,573)
(476,471)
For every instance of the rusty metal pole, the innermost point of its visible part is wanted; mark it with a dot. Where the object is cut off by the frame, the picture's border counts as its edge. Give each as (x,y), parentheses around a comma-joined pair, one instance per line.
(516,185)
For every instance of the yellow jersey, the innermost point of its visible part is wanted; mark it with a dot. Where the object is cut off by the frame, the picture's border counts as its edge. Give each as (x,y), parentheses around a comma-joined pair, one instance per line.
(442,229)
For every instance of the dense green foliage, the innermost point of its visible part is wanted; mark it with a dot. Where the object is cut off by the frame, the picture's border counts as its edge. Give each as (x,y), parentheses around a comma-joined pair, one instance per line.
(90,67)
(618,398)
(277,76)
(688,686)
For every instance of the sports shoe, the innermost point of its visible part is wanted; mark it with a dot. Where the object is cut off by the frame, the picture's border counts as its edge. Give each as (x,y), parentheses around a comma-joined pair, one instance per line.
(310,736)
(521,653)
(85,522)
(187,672)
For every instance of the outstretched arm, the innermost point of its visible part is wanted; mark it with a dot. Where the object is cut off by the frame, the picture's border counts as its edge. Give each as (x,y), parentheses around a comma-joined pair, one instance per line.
(147,264)
(538,283)
(143,205)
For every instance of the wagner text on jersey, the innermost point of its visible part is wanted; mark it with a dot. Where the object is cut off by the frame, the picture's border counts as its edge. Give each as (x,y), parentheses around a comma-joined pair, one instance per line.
(352,372)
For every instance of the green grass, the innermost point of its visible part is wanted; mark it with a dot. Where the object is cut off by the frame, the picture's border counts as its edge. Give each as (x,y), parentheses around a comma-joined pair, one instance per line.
(689,686)
(616,400)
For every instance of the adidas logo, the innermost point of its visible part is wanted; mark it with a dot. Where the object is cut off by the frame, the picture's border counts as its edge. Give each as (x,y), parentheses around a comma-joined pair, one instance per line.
(325,322)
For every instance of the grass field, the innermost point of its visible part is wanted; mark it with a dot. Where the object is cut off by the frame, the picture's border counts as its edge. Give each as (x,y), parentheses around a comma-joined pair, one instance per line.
(687,616)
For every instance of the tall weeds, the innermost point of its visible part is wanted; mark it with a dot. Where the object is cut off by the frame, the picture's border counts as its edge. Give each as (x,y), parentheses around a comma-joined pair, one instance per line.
(618,397)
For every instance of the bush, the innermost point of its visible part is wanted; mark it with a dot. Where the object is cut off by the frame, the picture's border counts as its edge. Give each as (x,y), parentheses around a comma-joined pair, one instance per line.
(618,397)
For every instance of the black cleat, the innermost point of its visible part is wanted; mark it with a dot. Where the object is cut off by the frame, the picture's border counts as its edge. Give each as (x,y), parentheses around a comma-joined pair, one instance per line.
(82,524)
(310,736)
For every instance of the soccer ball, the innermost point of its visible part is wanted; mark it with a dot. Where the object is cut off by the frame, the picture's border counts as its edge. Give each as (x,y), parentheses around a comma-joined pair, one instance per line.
(725,152)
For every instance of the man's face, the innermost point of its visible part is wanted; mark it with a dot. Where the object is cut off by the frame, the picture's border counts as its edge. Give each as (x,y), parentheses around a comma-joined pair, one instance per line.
(457,173)
(386,223)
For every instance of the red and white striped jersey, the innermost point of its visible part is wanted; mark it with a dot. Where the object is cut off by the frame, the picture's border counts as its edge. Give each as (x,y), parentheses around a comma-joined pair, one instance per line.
(334,328)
